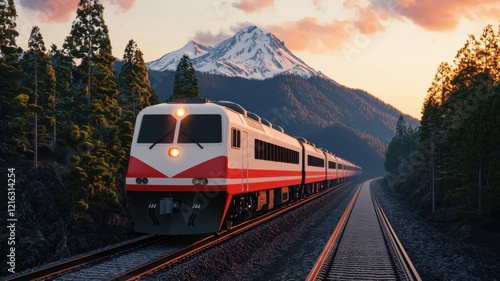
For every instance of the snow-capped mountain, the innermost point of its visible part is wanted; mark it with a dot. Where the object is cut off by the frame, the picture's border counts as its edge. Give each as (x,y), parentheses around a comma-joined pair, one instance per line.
(170,60)
(251,53)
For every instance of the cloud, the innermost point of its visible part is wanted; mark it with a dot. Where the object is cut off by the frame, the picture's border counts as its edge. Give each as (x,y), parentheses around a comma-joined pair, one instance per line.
(208,38)
(372,16)
(319,37)
(51,10)
(252,6)
(367,20)
(440,15)
(124,5)
(211,39)
(62,10)
(319,4)
(310,34)
(306,34)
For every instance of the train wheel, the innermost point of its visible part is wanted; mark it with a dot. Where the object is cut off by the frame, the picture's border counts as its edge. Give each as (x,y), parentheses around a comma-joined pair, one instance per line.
(228,224)
(248,214)
(249,210)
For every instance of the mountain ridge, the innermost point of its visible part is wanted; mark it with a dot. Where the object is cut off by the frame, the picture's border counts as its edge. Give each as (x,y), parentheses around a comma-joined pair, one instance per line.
(251,53)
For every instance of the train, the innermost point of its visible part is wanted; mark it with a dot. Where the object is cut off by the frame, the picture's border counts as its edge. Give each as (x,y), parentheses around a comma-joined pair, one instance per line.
(197,167)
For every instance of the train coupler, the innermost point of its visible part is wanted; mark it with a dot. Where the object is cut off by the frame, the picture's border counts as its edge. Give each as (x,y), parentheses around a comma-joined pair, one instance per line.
(167,205)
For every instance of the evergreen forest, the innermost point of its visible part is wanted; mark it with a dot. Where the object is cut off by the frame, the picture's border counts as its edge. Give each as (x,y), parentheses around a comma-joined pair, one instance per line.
(450,165)
(70,105)
(67,117)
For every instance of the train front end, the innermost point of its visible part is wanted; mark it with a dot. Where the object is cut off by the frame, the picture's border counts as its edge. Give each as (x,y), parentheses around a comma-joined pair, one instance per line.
(177,173)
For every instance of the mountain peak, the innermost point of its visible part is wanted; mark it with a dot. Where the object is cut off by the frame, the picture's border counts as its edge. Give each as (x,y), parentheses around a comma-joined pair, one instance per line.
(249,29)
(251,53)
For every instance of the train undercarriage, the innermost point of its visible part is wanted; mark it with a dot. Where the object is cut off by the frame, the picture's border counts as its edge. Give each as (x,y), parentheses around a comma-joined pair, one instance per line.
(243,206)
(181,213)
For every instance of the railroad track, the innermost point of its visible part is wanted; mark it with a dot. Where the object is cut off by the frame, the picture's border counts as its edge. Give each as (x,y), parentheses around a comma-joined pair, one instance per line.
(363,246)
(130,261)
(174,257)
(52,271)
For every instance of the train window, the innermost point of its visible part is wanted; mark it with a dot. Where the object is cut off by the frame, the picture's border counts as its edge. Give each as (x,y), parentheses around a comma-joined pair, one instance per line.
(258,150)
(271,152)
(315,161)
(235,138)
(157,128)
(332,165)
(201,128)
(274,154)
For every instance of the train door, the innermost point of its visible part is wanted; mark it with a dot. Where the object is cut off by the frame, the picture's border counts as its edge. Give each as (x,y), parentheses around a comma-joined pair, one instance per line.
(244,164)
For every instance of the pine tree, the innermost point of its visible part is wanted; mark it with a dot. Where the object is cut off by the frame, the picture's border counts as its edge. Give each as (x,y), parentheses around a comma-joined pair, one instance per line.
(441,85)
(487,53)
(9,52)
(185,81)
(39,83)
(97,91)
(397,155)
(135,89)
(85,45)
(474,83)
(400,145)
(62,62)
(460,126)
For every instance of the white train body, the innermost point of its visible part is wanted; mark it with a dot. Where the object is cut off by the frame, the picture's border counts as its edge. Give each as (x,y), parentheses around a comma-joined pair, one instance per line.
(194,167)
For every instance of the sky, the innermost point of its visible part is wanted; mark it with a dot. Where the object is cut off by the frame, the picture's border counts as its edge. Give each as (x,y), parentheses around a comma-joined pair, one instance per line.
(389,48)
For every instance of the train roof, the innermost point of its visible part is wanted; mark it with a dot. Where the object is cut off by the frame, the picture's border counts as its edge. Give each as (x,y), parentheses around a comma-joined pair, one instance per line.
(248,114)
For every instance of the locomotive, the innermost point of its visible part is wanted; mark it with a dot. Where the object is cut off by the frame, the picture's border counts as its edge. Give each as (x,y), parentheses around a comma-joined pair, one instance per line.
(197,167)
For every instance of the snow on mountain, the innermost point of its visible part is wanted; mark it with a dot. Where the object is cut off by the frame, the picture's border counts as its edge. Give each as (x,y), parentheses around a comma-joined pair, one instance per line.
(250,53)
(170,60)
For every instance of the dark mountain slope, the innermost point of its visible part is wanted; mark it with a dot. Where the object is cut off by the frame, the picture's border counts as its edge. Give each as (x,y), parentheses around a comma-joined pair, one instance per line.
(346,144)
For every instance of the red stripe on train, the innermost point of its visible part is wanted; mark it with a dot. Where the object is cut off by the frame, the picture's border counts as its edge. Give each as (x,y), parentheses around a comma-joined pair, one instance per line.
(139,169)
(213,168)
(218,168)
(234,188)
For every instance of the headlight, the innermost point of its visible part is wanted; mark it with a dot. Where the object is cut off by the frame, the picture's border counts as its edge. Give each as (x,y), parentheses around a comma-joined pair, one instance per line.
(141,180)
(174,152)
(180,112)
(200,181)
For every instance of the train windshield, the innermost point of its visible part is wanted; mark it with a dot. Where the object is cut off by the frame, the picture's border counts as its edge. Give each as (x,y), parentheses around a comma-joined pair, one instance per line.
(201,128)
(157,128)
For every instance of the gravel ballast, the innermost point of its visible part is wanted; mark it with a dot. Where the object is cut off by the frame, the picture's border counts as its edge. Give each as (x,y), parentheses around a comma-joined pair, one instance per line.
(286,248)
(436,255)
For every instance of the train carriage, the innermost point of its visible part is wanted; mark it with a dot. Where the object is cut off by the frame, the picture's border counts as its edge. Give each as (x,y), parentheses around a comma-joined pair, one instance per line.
(196,167)
(177,167)
(332,174)
(189,162)
(314,168)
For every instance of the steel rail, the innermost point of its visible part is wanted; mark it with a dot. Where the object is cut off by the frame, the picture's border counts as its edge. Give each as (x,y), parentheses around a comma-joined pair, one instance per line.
(409,269)
(80,261)
(401,263)
(334,238)
(197,247)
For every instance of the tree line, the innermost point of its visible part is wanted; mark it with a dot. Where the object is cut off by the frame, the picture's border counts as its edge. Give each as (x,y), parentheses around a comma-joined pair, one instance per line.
(73,97)
(453,158)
